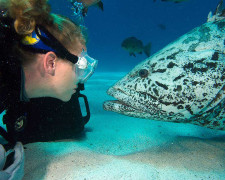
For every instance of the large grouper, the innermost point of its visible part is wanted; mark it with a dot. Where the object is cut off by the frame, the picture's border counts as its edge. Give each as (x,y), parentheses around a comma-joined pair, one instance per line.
(184,82)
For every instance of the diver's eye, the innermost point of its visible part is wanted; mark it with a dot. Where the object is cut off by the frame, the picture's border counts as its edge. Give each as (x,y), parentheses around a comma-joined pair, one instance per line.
(143,73)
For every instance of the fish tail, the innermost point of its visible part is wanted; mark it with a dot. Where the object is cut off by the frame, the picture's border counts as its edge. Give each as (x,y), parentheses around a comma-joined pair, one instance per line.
(84,12)
(100,5)
(147,49)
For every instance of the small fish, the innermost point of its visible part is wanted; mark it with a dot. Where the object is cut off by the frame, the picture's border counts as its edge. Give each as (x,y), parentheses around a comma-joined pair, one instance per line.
(175,1)
(89,3)
(133,45)
(162,26)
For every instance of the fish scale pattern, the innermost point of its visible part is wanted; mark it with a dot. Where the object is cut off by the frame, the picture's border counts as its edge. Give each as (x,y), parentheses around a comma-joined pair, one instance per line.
(183,82)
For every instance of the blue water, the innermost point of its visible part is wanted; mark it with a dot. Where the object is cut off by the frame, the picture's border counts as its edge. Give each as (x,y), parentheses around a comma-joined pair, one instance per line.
(139,18)
(122,147)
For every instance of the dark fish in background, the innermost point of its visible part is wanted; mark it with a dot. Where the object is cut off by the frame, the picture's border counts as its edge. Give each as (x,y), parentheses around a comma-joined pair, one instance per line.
(88,3)
(133,45)
(175,1)
(162,26)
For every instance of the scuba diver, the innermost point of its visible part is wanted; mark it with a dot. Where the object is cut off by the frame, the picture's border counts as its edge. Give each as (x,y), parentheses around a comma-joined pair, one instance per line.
(43,66)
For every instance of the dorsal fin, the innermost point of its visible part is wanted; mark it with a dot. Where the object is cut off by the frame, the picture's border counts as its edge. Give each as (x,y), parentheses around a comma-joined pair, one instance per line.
(218,14)
(219,8)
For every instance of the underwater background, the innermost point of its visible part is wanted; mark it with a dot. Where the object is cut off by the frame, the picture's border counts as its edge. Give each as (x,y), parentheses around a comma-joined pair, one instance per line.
(115,146)
(157,22)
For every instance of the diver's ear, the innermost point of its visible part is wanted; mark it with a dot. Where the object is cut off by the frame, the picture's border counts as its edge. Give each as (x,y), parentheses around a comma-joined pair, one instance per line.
(50,62)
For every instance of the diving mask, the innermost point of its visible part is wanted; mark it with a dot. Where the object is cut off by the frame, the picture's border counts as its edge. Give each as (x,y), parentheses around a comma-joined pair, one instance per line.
(85,67)
(42,41)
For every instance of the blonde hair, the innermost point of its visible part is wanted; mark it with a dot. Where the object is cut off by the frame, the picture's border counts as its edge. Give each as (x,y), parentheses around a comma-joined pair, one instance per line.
(29,13)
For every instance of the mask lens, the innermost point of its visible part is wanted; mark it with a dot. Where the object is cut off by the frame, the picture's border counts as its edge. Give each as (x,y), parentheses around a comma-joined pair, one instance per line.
(85,67)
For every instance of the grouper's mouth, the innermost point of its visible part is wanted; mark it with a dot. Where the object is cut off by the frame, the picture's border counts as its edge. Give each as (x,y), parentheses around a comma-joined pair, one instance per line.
(118,106)
(125,102)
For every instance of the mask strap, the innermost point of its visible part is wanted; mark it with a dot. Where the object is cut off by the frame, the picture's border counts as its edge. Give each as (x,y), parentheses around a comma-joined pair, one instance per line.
(52,42)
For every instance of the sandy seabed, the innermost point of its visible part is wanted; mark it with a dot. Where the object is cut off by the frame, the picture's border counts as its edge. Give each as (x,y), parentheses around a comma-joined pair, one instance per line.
(120,147)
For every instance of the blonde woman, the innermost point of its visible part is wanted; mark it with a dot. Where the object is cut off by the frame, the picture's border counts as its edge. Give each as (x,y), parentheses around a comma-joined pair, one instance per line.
(44,56)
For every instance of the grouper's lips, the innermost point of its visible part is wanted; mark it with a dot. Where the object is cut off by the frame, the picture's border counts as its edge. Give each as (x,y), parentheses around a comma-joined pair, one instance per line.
(117,105)
(123,102)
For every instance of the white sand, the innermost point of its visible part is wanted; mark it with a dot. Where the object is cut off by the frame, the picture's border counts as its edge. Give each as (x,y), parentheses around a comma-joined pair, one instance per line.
(121,147)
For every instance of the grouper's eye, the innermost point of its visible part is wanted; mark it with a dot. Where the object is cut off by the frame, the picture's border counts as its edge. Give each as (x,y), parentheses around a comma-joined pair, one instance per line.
(143,73)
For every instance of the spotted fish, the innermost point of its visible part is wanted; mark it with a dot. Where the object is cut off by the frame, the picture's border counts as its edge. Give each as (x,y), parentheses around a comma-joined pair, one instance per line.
(184,82)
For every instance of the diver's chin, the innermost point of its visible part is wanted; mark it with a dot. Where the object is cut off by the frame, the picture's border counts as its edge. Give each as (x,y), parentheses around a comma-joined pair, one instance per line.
(66,98)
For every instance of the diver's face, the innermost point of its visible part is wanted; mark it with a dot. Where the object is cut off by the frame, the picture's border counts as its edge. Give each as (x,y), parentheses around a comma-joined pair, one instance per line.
(66,81)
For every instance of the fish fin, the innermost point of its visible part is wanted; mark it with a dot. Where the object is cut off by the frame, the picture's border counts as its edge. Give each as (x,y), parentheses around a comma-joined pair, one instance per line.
(100,5)
(209,16)
(223,13)
(218,14)
(132,54)
(84,12)
(219,8)
(147,49)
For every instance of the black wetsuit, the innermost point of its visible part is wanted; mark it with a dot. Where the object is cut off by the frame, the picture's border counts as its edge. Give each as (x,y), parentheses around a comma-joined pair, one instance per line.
(10,68)
(10,85)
